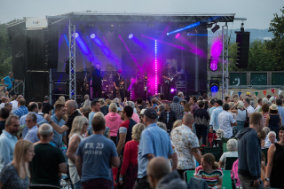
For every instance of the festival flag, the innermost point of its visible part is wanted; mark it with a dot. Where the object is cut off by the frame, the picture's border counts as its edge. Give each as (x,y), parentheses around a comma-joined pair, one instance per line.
(264,92)
(273,90)
(239,93)
(248,93)
(256,93)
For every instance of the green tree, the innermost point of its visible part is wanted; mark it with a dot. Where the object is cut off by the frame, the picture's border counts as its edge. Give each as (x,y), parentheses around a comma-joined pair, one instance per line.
(5,51)
(276,45)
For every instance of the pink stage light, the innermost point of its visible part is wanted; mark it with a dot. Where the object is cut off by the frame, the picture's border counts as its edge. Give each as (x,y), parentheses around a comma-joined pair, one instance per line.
(216,50)
(172,90)
(177,35)
(156,67)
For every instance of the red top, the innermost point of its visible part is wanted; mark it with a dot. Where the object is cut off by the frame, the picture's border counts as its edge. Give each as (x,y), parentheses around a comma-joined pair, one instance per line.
(129,156)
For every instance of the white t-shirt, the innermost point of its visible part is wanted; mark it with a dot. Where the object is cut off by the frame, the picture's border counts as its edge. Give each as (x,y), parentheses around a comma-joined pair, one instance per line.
(226,120)
(14,105)
(250,109)
(228,154)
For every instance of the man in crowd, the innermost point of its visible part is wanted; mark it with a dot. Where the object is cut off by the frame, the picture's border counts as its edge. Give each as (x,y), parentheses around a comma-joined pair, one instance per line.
(188,152)
(160,176)
(8,81)
(201,117)
(57,118)
(46,107)
(259,105)
(95,156)
(211,106)
(32,128)
(280,109)
(32,108)
(4,114)
(8,140)
(226,121)
(95,106)
(249,151)
(15,101)
(22,109)
(71,109)
(215,113)
(177,107)
(248,107)
(154,142)
(49,161)
(125,129)
(168,117)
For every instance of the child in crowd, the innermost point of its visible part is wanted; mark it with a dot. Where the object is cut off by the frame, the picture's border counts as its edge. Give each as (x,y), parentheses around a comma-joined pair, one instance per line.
(209,171)
(211,136)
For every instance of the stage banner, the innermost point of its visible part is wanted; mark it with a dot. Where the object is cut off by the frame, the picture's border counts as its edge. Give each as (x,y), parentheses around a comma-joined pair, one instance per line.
(33,23)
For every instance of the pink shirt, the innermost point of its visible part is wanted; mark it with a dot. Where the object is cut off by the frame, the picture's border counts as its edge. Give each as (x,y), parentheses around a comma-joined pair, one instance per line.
(113,121)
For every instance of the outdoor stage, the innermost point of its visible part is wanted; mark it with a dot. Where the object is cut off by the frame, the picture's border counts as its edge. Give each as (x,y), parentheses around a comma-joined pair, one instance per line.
(141,46)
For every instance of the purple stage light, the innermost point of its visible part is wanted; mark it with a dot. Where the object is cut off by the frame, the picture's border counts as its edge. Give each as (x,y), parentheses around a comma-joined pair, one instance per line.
(177,35)
(216,50)
(92,36)
(130,36)
(172,90)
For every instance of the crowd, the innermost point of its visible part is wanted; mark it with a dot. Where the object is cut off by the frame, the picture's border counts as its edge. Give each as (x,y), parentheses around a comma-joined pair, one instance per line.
(154,144)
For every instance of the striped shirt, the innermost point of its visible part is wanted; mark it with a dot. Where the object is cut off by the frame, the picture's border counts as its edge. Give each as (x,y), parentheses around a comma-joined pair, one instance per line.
(211,178)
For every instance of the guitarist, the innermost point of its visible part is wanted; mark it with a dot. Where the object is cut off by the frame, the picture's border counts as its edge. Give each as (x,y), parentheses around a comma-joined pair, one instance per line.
(119,85)
(169,74)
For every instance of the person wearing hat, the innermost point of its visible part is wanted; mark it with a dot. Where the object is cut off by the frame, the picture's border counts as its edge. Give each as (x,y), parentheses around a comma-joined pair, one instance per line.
(154,142)
(274,120)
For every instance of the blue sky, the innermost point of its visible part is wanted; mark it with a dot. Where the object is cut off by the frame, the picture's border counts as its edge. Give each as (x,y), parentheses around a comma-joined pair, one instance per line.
(258,12)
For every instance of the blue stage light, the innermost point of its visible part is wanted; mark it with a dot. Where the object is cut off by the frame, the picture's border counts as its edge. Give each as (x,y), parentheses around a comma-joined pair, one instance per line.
(92,36)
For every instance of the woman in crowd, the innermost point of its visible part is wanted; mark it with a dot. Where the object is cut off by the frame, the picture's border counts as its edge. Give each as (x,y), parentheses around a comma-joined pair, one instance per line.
(16,175)
(273,120)
(201,118)
(270,139)
(209,171)
(241,117)
(275,164)
(79,129)
(113,121)
(177,123)
(232,147)
(129,168)
(265,113)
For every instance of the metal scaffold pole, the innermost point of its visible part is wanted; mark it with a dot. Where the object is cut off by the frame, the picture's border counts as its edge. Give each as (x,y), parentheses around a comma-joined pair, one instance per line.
(72,60)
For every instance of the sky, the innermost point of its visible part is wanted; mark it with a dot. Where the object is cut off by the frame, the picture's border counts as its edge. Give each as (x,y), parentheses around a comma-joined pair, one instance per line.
(259,13)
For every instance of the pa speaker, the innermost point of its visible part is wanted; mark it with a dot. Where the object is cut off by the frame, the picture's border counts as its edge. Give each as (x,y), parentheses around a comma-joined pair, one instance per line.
(242,41)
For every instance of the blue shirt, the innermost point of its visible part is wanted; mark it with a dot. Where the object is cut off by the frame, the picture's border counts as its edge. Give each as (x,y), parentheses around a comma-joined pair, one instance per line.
(32,134)
(57,137)
(96,152)
(210,110)
(156,141)
(8,81)
(281,113)
(22,110)
(91,116)
(214,117)
(7,145)
(23,122)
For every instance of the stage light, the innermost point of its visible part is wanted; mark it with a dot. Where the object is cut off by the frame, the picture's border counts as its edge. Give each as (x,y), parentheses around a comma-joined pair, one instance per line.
(156,67)
(75,35)
(177,35)
(92,36)
(130,36)
(214,86)
(215,28)
(173,90)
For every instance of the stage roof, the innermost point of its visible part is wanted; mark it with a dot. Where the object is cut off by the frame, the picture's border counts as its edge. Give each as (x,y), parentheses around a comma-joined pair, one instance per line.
(150,17)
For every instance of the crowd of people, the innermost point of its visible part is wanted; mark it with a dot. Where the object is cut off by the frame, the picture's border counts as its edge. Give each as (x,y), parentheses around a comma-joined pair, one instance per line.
(104,143)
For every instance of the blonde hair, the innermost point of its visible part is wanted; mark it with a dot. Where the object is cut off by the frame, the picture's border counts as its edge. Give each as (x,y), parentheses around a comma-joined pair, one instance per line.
(137,130)
(78,124)
(177,123)
(113,107)
(20,151)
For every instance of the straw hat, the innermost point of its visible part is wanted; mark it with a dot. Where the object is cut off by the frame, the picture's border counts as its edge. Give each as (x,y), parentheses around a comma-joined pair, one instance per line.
(240,105)
(273,107)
